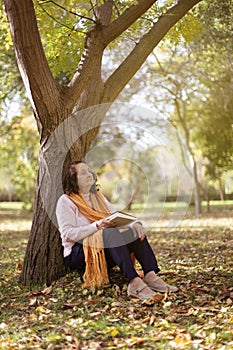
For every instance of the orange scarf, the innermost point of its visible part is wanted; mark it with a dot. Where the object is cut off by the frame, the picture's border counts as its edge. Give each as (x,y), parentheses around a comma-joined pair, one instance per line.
(96,272)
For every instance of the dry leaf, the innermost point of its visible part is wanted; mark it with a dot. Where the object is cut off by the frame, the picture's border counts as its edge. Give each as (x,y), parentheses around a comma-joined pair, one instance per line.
(47,290)
(155,299)
(33,302)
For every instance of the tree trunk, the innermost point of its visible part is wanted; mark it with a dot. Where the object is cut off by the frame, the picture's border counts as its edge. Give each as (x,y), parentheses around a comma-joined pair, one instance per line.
(69,141)
(197,198)
(182,117)
(206,196)
(221,190)
(208,205)
(43,262)
(207,199)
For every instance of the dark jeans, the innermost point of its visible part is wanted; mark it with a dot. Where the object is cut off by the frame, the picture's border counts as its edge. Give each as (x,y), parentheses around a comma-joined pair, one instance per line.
(117,252)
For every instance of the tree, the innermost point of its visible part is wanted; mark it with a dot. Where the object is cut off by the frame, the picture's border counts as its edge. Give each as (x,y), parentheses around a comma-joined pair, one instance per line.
(180,86)
(53,103)
(215,116)
(19,157)
(202,97)
(202,106)
(213,52)
(173,89)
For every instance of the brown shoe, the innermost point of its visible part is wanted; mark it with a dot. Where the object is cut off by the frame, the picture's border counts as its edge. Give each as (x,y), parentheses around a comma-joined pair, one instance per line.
(156,283)
(140,290)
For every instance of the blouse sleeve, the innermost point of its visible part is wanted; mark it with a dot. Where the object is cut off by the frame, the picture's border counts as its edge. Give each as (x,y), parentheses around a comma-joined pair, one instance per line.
(70,226)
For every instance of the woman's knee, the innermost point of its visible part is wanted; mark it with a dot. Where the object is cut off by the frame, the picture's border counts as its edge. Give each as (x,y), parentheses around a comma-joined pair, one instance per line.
(112,237)
(111,230)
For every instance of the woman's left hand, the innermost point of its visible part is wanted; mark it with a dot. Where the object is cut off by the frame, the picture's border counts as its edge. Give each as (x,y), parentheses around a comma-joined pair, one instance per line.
(139,231)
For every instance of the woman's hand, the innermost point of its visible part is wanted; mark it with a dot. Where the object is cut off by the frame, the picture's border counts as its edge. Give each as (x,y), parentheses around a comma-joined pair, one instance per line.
(101,225)
(139,231)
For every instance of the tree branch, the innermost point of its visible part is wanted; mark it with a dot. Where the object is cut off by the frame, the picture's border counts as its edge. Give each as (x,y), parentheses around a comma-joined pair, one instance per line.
(125,20)
(92,54)
(69,11)
(98,37)
(36,75)
(121,76)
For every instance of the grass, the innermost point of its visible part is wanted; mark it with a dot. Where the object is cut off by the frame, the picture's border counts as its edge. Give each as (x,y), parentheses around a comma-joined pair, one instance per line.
(171,205)
(196,256)
(11,206)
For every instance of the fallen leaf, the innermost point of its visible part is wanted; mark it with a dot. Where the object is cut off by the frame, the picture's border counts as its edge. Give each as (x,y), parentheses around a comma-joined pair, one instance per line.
(3,325)
(224,293)
(114,332)
(33,302)
(155,299)
(204,308)
(179,342)
(43,310)
(134,341)
(152,320)
(47,290)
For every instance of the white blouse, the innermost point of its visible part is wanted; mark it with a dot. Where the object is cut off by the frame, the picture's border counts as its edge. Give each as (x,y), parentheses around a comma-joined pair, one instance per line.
(72,224)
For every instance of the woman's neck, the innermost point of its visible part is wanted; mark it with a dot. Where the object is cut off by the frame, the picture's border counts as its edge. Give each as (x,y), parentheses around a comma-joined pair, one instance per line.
(85,191)
(86,194)
(87,198)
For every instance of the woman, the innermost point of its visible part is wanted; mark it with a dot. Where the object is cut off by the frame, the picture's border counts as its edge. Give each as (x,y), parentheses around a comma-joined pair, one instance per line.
(93,246)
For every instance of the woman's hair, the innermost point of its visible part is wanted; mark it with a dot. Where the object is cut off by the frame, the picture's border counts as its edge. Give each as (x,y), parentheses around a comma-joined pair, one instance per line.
(70,183)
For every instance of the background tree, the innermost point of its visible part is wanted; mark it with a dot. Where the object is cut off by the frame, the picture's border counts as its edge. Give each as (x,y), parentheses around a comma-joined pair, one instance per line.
(181,89)
(201,107)
(200,99)
(53,102)
(19,144)
(214,68)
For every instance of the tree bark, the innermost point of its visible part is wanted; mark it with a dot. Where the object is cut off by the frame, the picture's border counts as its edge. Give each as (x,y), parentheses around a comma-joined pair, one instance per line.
(181,114)
(197,198)
(221,189)
(43,261)
(43,91)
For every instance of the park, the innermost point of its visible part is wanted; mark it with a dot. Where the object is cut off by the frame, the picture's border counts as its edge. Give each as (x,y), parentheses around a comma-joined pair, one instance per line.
(142,92)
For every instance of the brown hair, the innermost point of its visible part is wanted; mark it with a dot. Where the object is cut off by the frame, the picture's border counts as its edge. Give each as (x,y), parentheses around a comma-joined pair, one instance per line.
(70,183)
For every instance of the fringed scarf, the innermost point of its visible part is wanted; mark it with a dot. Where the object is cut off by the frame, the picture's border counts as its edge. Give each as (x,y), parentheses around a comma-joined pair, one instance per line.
(96,272)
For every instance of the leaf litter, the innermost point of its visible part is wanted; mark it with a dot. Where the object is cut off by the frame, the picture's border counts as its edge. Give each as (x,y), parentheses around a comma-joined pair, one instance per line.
(64,316)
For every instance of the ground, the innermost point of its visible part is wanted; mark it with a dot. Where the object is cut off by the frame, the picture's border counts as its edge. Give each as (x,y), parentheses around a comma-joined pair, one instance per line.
(196,256)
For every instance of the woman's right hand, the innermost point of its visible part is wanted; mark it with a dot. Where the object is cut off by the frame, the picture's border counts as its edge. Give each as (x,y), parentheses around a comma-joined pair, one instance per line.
(101,225)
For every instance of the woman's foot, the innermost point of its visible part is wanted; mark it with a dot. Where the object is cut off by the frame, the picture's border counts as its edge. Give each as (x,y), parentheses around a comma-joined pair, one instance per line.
(138,289)
(156,283)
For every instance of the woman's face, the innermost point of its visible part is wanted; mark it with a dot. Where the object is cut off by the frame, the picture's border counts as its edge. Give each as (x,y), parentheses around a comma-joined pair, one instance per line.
(84,177)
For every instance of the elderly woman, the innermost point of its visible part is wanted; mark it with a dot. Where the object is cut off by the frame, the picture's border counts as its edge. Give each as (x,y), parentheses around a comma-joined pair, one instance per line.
(92,245)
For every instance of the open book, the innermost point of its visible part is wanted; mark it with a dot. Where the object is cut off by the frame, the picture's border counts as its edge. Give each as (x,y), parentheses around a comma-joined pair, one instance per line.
(120,218)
